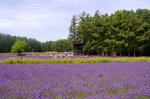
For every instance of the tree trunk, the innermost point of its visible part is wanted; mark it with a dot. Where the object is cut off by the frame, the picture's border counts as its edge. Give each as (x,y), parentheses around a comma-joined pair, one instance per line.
(98,53)
(128,53)
(87,52)
(19,53)
(134,53)
(120,53)
(103,54)
(83,53)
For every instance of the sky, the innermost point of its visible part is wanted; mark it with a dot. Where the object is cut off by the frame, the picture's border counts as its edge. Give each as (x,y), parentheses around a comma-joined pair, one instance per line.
(49,20)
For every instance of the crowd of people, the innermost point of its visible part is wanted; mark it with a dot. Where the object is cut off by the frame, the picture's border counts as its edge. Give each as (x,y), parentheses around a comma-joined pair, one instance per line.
(60,54)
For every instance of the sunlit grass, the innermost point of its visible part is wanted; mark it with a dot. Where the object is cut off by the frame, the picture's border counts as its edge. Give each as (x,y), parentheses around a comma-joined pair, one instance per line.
(75,60)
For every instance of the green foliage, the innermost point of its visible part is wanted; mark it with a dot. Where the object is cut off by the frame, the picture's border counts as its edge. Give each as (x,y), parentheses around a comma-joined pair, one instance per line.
(62,45)
(19,47)
(73,28)
(34,45)
(7,41)
(122,32)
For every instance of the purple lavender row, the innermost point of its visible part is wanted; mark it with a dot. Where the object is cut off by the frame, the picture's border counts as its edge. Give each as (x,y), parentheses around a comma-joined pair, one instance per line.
(50,57)
(40,57)
(44,57)
(75,81)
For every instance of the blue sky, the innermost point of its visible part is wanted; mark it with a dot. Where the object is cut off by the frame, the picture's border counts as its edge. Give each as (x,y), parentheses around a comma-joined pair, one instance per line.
(49,20)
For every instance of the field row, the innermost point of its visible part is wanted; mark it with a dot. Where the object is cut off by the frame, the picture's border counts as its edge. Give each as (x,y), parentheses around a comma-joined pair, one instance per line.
(73,60)
(75,81)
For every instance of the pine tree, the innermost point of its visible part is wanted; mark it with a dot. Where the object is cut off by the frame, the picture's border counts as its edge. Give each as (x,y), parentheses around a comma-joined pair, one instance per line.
(73,28)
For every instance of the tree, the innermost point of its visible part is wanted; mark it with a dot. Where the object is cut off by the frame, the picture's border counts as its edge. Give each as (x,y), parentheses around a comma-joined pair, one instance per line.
(126,32)
(34,45)
(145,15)
(19,47)
(133,31)
(85,28)
(62,45)
(73,28)
(6,41)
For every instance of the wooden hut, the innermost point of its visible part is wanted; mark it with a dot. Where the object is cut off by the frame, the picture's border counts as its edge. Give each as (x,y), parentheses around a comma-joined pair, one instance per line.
(78,47)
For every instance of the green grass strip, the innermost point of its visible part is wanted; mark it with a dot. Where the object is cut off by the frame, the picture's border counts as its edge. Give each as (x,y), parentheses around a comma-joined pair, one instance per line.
(74,60)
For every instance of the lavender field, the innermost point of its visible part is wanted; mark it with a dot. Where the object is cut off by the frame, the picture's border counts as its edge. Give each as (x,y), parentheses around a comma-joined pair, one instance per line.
(75,81)
(33,57)
(46,57)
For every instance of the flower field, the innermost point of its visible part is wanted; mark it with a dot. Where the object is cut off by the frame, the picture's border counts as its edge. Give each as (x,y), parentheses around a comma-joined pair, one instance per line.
(75,81)
(20,57)
(72,59)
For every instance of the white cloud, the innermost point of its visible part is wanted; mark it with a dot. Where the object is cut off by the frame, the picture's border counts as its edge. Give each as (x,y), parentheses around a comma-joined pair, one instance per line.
(19,23)
(50,19)
(28,20)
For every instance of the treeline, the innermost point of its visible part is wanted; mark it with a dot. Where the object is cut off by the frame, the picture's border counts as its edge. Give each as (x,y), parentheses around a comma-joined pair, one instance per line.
(33,45)
(125,32)
(63,45)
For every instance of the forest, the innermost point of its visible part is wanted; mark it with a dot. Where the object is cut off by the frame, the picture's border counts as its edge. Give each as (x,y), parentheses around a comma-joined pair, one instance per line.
(33,45)
(126,32)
